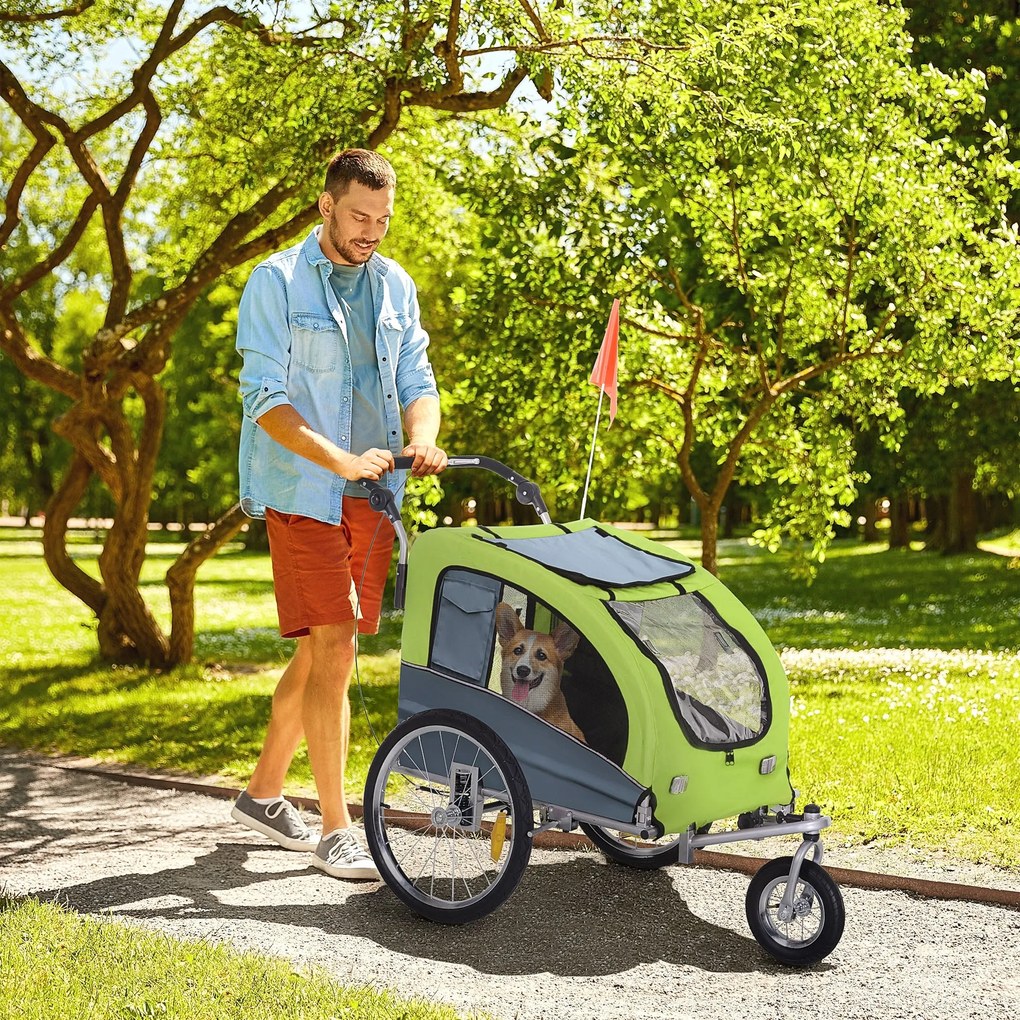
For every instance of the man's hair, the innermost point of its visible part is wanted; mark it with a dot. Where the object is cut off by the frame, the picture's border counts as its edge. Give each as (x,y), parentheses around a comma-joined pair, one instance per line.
(361,165)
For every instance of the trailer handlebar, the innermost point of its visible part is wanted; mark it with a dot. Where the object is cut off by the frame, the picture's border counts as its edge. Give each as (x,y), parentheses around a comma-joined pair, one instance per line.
(380,498)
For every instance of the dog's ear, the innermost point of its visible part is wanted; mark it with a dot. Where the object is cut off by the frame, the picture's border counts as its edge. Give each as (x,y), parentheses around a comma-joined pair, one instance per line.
(565,638)
(508,622)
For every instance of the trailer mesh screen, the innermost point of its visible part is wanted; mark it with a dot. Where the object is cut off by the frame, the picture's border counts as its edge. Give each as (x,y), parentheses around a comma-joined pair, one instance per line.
(716,683)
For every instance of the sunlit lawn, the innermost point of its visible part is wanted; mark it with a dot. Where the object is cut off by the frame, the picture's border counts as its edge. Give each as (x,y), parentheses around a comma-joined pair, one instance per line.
(904,672)
(203,719)
(54,963)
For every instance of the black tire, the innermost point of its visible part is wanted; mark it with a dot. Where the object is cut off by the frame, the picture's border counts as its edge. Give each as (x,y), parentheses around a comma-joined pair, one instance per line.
(632,852)
(817,924)
(443,870)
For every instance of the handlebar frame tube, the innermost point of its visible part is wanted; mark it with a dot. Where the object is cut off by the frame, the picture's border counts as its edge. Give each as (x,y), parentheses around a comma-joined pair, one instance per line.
(380,498)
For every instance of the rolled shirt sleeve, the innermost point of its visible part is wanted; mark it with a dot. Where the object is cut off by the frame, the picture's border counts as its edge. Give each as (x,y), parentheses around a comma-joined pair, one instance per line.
(263,341)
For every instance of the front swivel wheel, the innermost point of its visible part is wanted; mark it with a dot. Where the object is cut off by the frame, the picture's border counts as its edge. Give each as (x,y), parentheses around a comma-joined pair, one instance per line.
(807,927)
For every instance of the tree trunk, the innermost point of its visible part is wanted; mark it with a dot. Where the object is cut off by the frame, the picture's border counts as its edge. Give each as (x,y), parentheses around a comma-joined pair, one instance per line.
(180,581)
(710,537)
(937,515)
(868,512)
(899,523)
(729,518)
(961,529)
(65,571)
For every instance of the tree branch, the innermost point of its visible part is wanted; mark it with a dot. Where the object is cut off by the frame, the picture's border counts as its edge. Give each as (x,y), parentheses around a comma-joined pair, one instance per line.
(122,273)
(578,43)
(65,12)
(30,362)
(58,254)
(533,17)
(44,141)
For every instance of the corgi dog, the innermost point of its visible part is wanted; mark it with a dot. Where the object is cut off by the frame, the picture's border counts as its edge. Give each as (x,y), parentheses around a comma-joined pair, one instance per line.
(532,665)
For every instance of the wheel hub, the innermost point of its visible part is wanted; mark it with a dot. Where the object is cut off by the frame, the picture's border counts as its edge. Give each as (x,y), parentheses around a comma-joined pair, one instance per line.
(802,906)
(446,815)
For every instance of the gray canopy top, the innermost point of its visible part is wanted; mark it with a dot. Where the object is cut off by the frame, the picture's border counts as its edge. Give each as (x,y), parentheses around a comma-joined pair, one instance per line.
(593,556)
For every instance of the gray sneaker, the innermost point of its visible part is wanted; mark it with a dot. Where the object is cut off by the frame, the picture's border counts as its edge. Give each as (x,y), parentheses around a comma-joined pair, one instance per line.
(341,855)
(279,821)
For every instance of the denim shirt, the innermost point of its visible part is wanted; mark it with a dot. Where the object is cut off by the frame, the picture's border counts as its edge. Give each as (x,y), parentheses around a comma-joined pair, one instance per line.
(293,339)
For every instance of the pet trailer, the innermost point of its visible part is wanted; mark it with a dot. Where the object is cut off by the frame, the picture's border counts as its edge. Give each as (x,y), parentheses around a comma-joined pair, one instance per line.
(579,676)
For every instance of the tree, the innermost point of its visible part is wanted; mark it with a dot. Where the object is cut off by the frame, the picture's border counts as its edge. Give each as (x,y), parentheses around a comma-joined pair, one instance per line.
(795,232)
(143,186)
(957,450)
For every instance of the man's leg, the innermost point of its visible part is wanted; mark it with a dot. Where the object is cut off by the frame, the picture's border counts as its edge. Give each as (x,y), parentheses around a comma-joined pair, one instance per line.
(326,716)
(261,807)
(286,726)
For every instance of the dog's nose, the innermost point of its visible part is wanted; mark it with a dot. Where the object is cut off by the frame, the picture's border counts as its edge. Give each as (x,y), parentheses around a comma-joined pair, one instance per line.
(523,671)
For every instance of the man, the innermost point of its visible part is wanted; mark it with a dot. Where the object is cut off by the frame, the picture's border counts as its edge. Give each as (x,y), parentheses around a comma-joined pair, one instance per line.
(332,346)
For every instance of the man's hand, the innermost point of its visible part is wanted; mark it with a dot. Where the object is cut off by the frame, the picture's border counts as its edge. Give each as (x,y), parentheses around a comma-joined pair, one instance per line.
(372,465)
(428,459)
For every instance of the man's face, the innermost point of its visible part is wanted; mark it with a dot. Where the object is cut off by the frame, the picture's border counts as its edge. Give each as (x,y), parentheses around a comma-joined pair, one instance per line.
(354,223)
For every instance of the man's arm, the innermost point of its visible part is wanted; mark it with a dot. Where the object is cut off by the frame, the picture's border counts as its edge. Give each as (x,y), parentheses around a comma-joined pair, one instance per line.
(286,425)
(421,420)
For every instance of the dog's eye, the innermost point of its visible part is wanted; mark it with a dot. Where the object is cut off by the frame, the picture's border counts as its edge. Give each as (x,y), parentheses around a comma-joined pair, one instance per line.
(541,655)
(519,650)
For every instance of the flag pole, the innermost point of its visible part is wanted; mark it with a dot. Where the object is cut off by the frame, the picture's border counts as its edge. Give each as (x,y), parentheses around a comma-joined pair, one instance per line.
(603,375)
(591,455)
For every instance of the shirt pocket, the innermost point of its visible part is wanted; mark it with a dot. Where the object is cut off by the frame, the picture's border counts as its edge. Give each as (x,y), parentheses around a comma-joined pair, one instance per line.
(395,324)
(314,341)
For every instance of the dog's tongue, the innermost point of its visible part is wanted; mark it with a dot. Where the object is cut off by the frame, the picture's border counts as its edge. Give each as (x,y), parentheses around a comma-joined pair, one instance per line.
(520,692)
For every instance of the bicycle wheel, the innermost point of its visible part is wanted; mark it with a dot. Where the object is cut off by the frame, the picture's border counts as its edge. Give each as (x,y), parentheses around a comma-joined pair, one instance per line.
(632,851)
(811,929)
(448,816)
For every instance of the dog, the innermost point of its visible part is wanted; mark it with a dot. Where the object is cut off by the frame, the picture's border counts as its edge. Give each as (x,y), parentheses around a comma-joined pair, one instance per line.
(532,666)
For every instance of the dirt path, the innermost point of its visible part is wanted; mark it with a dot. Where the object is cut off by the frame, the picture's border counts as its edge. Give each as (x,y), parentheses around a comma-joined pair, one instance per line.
(579,937)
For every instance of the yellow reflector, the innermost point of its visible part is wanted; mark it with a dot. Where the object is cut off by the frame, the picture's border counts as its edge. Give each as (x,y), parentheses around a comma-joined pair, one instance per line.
(498,836)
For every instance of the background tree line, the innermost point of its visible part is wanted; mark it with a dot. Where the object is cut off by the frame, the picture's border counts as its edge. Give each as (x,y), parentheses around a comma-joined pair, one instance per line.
(810,217)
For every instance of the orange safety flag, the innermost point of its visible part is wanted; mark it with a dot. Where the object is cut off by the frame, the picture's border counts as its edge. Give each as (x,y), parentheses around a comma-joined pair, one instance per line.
(603,374)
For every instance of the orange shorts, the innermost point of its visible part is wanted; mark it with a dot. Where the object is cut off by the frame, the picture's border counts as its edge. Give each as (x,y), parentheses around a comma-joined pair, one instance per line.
(329,573)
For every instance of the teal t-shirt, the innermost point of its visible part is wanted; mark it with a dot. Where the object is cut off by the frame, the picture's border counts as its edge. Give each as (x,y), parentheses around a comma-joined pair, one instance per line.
(368,426)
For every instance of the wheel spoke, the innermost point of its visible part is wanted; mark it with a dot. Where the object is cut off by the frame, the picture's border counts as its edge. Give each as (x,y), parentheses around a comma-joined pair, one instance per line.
(445,871)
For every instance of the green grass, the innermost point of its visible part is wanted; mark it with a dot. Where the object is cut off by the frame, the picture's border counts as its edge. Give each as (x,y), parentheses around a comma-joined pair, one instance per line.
(905,691)
(867,597)
(904,673)
(54,963)
(910,747)
(203,719)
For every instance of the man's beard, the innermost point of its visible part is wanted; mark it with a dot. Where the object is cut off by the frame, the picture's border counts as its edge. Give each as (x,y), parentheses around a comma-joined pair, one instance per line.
(347,249)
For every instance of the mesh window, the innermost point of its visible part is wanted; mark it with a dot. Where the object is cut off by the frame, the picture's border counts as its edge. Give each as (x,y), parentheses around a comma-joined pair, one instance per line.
(719,690)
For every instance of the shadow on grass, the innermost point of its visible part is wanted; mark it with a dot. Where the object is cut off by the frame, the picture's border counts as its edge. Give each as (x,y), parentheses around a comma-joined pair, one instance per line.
(185,720)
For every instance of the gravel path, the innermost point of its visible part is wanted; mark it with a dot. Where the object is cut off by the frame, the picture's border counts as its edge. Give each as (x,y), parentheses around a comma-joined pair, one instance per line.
(578,938)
